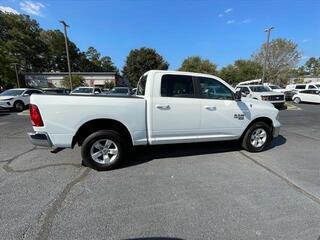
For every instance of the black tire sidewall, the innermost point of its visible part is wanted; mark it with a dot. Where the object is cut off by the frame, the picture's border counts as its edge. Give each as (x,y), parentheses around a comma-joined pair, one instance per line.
(299,100)
(247,143)
(91,139)
(15,106)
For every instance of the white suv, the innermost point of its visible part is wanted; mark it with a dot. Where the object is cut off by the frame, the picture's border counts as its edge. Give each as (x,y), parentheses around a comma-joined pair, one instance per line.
(261,92)
(17,99)
(276,88)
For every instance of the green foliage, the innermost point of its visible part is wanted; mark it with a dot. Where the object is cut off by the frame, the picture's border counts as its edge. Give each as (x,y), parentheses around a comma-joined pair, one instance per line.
(283,56)
(199,65)
(140,61)
(22,41)
(241,70)
(77,81)
(109,85)
(312,66)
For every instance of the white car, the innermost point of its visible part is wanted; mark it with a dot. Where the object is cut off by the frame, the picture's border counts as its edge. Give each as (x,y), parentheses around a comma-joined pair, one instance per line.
(312,96)
(169,107)
(17,99)
(86,91)
(261,92)
(298,87)
(276,88)
(120,91)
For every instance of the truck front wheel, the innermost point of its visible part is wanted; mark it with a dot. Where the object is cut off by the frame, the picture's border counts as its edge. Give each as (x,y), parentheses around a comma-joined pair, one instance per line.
(102,150)
(257,137)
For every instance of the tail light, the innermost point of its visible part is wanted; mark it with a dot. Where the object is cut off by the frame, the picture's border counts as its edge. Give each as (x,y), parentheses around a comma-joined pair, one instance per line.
(35,116)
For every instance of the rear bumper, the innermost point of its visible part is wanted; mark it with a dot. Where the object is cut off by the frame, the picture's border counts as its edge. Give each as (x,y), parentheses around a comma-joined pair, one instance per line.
(40,139)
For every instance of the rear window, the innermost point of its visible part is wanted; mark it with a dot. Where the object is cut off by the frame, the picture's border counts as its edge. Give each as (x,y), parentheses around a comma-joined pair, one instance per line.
(82,90)
(300,86)
(177,86)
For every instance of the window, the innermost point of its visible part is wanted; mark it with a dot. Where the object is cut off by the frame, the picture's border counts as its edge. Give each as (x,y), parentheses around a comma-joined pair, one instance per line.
(82,90)
(97,90)
(300,86)
(213,89)
(274,87)
(141,88)
(311,87)
(177,86)
(245,90)
(30,92)
(259,89)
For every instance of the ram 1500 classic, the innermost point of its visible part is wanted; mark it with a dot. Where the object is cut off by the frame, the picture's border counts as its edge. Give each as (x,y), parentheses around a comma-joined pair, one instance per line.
(169,107)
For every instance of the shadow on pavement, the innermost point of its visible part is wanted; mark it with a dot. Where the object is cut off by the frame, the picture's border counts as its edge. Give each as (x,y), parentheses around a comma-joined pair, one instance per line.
(140,155)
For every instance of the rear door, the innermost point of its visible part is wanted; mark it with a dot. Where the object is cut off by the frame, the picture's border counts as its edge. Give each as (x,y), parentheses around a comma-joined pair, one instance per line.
(221,116)
(175,110)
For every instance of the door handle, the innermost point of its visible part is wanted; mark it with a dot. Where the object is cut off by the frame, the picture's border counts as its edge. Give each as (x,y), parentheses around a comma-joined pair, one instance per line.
(163,107)
(210,108)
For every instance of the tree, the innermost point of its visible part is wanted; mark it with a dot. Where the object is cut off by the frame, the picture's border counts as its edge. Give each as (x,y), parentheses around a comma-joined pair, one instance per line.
(241,70)
(77,81)
(283,55)
(312,66)
(197,64)
(140,61)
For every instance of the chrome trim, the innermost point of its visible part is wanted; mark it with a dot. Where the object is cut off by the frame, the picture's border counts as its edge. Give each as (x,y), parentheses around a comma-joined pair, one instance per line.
(40,139)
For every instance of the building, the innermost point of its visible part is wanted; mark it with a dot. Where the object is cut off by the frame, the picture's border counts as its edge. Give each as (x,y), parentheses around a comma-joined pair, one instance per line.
(305,79)
(54,79)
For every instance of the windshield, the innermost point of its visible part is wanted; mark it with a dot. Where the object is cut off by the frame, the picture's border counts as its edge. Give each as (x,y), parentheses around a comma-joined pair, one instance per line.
(274,87)
(82,90)
(120,90)
(259,89)
(12,92)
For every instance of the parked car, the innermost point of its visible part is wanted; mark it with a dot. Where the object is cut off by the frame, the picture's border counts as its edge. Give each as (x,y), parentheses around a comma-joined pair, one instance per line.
(120,91)
(312,96)
(170,107)
(298,87)
(63,91)
(288,94)
(17,99)
(86,91)
(261,92)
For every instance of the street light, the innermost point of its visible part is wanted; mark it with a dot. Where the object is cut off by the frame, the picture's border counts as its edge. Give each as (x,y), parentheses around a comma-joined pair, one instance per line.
(267,30)
(65,25)
(17,76)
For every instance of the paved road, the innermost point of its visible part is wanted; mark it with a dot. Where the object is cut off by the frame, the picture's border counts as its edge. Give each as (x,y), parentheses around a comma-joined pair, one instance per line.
(189,191)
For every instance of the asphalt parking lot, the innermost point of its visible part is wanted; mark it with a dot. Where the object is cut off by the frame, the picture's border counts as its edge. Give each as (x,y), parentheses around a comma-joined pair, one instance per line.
(189,191)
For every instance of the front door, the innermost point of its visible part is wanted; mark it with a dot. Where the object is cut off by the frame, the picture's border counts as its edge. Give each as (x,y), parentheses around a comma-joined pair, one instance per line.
(221,116)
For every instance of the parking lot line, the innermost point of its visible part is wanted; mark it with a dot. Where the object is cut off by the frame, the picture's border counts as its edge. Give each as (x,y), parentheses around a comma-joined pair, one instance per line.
(290,183)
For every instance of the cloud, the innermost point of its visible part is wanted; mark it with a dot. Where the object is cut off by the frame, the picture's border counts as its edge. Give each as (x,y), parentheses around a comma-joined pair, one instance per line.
(33,8)
(8,10)
(305,40)
(220,15)
(228,10)
(246,21)
(230,22)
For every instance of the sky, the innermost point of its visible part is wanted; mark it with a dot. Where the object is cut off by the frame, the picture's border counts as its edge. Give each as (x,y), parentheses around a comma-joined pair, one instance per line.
(221,31)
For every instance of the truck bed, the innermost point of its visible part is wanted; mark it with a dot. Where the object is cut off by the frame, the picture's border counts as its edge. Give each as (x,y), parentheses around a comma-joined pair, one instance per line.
(64,115)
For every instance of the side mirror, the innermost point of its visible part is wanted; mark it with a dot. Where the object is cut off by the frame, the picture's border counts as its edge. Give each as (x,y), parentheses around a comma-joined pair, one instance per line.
(96,92)
(26,95)
(238,95)
(243,94)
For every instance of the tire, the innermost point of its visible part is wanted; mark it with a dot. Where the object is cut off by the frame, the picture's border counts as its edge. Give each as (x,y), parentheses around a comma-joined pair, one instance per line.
(103,150)
(257,137)
(18,106)
(297,100)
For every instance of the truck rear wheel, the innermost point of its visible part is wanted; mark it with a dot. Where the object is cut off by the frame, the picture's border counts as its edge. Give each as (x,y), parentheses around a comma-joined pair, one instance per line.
(103,150)
(257,137)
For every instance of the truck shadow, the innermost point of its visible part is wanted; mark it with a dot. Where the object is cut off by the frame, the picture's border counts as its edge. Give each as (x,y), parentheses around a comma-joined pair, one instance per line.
(140,155)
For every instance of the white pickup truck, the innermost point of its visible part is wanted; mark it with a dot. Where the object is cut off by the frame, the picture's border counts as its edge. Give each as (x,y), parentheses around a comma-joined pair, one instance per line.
(169,107)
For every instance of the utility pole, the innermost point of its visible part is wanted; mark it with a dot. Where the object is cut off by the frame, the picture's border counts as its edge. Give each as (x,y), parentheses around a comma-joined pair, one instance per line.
(17,76)
(267,30)
(67,50)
